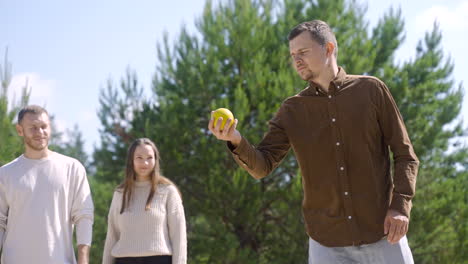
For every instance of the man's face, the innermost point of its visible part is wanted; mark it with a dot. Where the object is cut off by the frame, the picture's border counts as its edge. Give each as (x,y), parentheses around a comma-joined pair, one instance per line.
(309,57)
(35,129)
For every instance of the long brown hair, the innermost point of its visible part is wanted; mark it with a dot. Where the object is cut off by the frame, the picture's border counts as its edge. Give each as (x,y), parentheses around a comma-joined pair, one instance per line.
(130,176)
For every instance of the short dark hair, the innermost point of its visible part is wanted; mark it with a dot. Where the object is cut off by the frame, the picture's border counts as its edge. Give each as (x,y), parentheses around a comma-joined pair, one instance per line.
(319,31)
(32,109)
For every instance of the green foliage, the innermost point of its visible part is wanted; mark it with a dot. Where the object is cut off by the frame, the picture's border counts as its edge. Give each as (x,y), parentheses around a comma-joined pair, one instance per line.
(73,146)
(117,109)
(102,195)
(239,59)
(439,228)
(11,146)
(430,102)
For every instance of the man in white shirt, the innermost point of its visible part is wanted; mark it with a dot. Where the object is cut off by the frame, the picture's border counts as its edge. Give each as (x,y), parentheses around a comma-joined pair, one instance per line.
(43,196)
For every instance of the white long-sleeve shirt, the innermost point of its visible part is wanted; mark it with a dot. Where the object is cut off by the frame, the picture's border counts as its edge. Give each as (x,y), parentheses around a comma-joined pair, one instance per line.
(137,233)
(40,203)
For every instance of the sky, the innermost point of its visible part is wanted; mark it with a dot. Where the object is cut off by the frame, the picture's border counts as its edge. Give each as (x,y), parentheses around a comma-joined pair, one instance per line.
(68,50)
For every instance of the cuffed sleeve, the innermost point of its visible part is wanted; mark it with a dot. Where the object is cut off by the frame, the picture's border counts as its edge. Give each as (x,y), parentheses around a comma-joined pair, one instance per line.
(177,227)
(405,161)
(84,231)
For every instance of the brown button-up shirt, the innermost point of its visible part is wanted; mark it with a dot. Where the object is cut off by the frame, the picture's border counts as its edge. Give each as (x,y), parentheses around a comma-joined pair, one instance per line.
(341,141)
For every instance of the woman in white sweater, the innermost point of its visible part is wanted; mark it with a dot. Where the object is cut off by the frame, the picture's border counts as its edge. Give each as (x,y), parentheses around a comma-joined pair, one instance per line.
(146,222)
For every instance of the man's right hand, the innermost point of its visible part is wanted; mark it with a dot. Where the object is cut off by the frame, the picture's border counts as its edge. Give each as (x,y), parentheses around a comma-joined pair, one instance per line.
(231,134)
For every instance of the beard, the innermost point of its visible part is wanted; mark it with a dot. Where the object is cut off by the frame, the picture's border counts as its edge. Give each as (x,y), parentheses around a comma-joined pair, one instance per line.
(33,144)
(307,75)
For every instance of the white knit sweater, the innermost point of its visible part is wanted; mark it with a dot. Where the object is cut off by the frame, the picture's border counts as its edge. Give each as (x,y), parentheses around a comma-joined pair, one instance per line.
(136,233)
(40,203)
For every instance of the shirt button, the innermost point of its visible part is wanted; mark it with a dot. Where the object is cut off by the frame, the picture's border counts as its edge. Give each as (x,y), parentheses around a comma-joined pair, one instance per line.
(330,96)
(349,217)
(337,143)
(345,193)
(333,119)
(342,168)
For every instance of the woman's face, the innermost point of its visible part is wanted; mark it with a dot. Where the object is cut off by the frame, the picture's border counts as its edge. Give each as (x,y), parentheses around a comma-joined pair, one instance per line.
(143,162)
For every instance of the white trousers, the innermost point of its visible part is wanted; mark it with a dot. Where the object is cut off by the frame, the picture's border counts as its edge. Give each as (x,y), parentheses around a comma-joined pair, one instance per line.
(381,252)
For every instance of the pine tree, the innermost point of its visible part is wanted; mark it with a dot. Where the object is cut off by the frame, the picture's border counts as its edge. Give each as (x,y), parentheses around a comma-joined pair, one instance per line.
(431,102)
(73,146)
(11,145)
(240,60)
(243,64)
(118,107)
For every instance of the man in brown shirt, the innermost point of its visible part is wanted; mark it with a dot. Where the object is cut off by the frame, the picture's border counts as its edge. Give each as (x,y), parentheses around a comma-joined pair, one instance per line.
(340,128)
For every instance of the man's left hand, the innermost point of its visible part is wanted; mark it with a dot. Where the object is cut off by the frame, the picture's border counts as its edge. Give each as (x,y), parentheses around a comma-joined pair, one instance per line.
(395,226)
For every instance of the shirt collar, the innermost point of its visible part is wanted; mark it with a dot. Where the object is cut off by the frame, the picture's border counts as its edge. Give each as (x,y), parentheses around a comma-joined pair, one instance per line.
(339,80)
(335,85)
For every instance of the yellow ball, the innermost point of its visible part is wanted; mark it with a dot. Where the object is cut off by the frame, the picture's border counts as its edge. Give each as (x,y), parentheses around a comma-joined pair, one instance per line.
(225,114)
